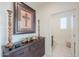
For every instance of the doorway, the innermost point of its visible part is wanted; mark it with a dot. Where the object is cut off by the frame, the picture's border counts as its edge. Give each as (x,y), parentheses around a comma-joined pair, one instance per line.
(62,25)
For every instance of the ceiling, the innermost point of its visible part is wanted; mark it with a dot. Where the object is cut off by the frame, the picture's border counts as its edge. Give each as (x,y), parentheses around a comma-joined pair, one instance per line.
(36,4)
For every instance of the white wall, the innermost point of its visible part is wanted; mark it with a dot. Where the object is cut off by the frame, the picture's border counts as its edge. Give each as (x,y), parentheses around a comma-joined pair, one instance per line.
(45,13)
(4,23)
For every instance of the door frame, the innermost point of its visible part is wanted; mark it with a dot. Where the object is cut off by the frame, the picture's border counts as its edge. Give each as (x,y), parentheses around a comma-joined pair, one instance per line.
(75,10)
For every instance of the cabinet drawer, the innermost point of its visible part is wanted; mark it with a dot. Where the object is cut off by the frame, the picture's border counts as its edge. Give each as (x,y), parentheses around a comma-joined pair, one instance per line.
(34,47)
(18,53)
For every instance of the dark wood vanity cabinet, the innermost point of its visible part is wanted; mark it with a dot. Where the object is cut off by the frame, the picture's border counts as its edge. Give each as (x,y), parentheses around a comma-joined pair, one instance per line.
(32,49)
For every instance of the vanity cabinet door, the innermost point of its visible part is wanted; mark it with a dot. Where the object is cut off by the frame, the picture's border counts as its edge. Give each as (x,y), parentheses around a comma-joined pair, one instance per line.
(18,53)
(27,52)
(37,49)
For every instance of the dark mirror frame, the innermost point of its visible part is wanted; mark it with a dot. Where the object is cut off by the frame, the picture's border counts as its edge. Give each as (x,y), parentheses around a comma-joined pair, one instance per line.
(17,16)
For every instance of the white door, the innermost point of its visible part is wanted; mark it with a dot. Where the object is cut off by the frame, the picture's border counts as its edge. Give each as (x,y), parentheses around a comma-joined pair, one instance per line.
(62,31)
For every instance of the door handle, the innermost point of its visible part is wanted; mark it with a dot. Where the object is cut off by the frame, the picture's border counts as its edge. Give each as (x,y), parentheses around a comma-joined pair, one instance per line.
(52,40)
